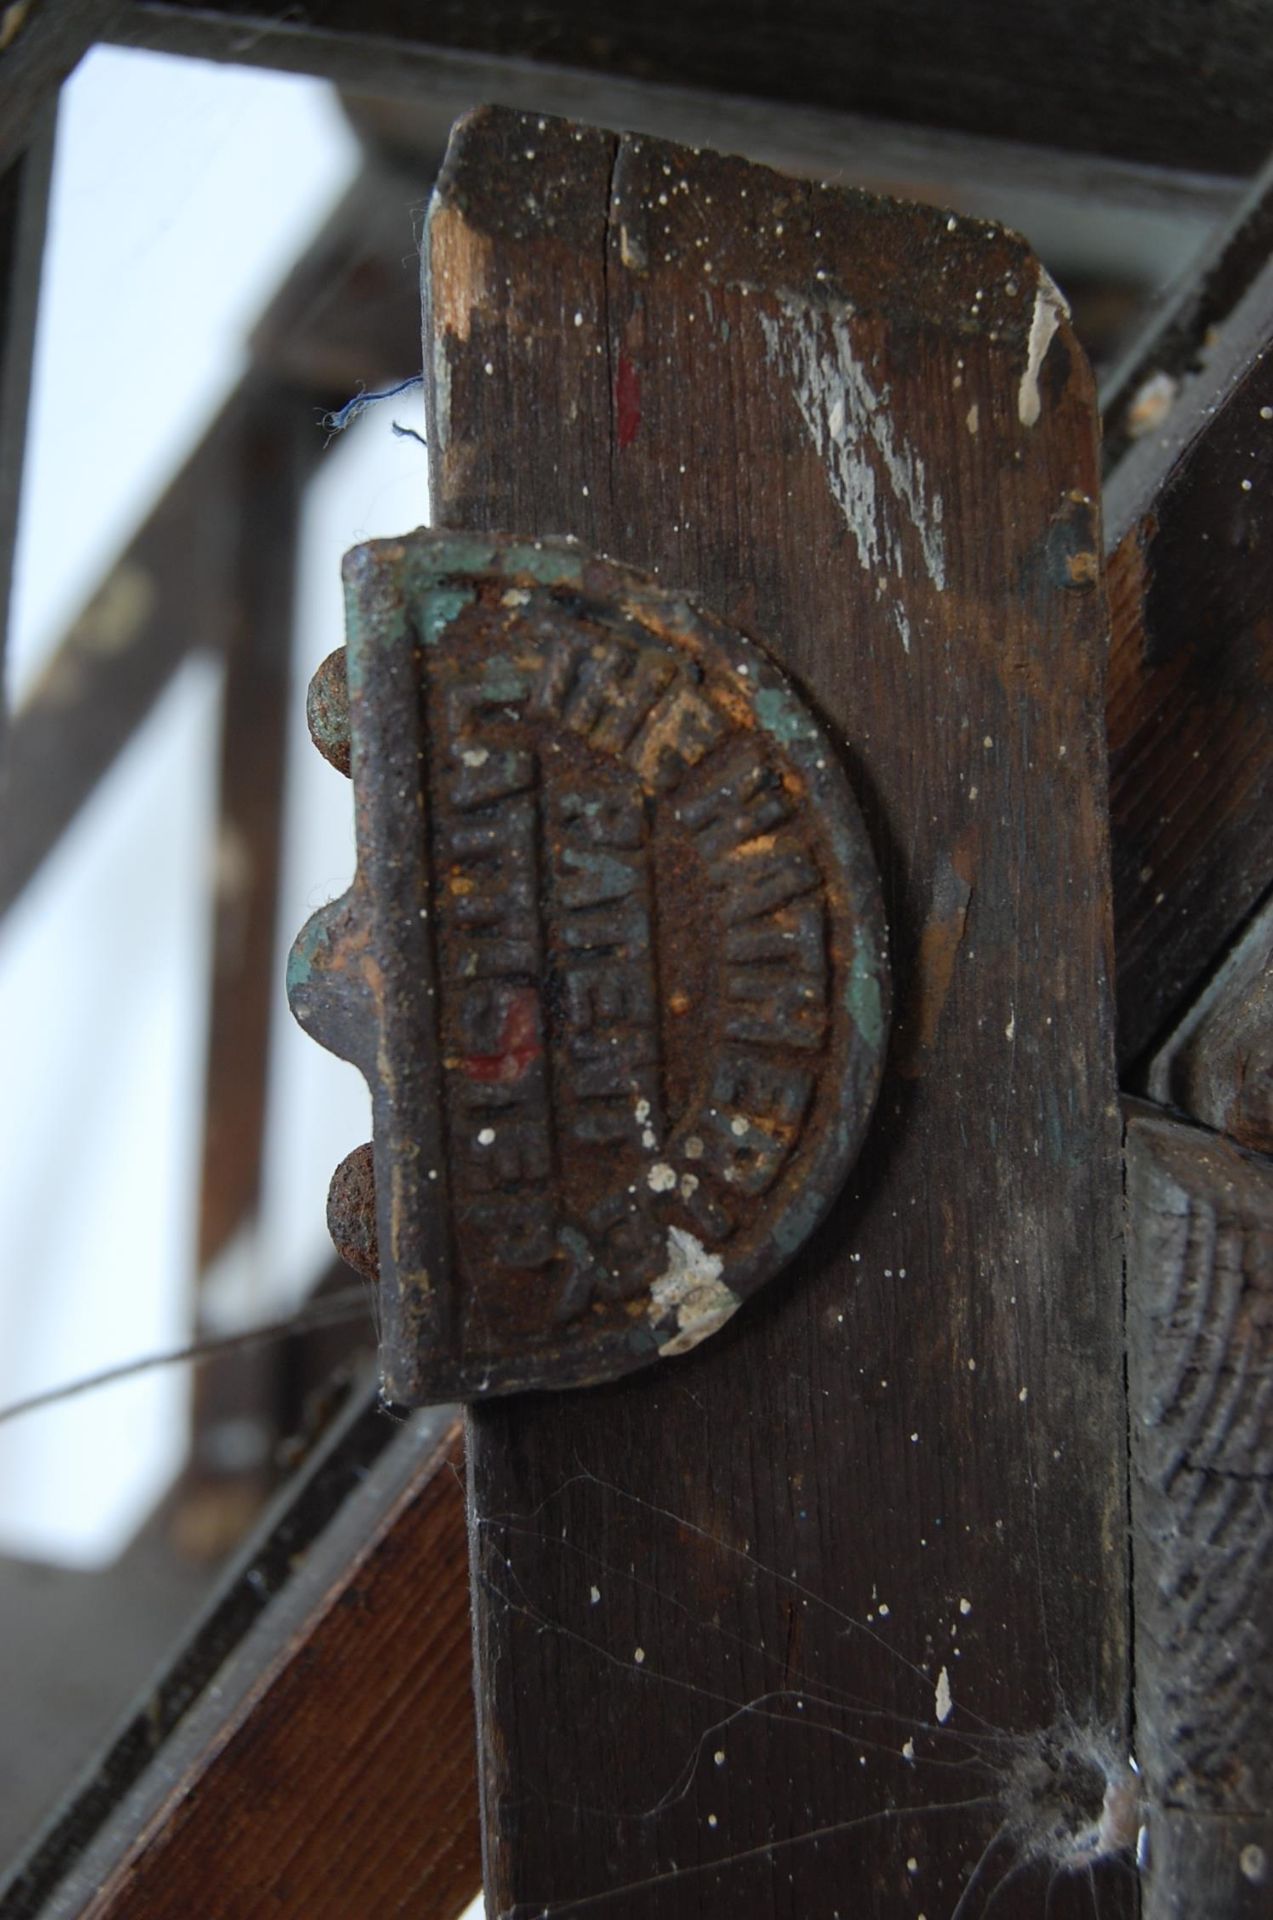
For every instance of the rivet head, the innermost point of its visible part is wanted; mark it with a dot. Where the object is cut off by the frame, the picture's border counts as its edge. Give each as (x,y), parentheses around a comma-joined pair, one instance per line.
(327,711)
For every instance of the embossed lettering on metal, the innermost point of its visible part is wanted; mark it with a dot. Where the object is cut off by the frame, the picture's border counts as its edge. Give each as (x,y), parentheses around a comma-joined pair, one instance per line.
(613,963)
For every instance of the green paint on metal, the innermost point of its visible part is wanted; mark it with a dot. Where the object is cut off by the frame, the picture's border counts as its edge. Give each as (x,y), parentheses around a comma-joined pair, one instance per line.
(865,1001)
(503,680)
(442,559)
(792,1228)
(442,555)
(551,566)
(329,725)
(441,607)
(357,639)
(780,715)
(310,951)
(301,959)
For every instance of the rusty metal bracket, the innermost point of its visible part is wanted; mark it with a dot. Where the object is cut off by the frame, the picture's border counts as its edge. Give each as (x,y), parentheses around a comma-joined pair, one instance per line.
(613,963)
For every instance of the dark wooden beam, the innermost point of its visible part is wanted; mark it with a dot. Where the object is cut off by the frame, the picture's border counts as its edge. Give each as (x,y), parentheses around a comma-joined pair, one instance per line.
(177,588)
(1200,1341)
(736,1616)
(1159,81)
(311,1753)
(41,41)
(24,195)
(1191,664)
(165,598)
(346,1780)
(345,316)
(1217,1066)
(967,169)
(1179,337)
(273,454)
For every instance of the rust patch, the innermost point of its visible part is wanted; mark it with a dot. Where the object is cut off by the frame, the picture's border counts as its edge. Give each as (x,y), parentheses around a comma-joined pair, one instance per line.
(613,963)
(939,946)
(327,711)
(351,1212)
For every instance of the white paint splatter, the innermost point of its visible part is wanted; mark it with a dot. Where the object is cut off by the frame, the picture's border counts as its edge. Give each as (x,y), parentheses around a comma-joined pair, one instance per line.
(943,1702)
(594,1595)
(903,627)
(1254,1863)
(1049,310)
(661,1177)
(1151,403)
(690,1287)
(965,1606)
(475,756)
(869,470)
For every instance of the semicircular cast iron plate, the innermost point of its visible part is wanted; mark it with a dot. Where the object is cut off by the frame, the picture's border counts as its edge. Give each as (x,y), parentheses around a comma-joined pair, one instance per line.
(613,963)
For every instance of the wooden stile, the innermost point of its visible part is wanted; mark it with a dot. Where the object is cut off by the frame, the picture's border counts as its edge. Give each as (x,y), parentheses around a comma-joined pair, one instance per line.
(735,1619)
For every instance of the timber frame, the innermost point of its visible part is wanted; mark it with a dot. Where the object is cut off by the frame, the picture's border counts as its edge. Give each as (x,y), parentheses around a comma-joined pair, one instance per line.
(1161,108)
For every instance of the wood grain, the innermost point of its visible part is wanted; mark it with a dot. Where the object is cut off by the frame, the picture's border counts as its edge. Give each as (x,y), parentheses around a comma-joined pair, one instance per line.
(1218,1064)
(720,1608)
(343,1780)
(1200,1338)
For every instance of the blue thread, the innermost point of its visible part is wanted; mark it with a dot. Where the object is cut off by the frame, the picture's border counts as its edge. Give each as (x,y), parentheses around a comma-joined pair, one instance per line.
(346,415)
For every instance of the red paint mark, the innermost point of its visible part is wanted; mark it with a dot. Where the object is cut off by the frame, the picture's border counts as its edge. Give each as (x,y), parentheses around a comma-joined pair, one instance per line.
(627,400)
(518,1043)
